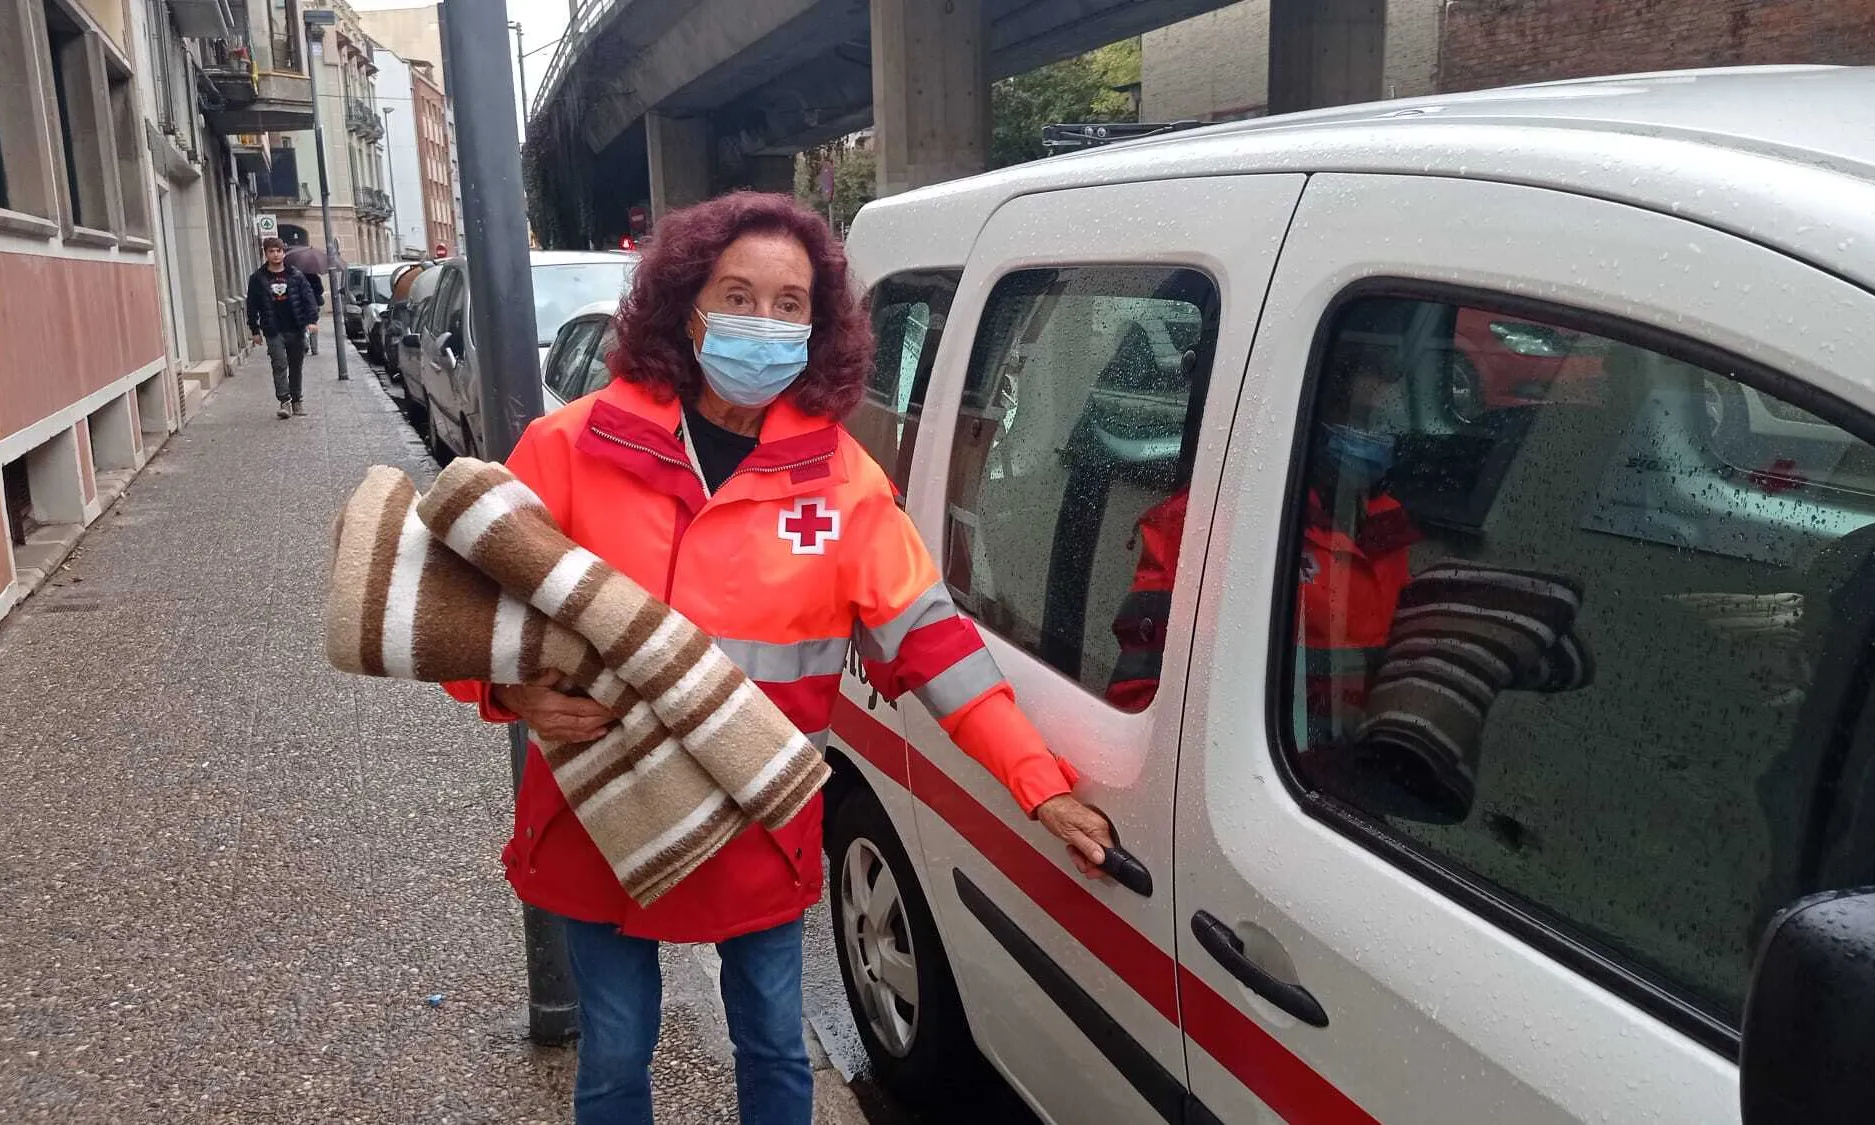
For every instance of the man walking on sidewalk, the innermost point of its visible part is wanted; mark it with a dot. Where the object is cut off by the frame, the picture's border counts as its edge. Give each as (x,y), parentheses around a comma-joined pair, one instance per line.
(281,308)
(312,263)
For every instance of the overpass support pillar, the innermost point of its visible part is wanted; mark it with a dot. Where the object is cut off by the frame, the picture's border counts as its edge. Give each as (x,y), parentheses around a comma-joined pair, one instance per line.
(1326,53)
(930,91)
(679,151)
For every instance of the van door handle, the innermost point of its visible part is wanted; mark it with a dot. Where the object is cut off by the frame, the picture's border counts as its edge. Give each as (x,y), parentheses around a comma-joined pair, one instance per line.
(1221,942)
(1122,866)
(1126,870)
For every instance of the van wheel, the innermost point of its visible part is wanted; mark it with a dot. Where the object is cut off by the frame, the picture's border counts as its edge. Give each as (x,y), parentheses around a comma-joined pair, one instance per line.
(898,982)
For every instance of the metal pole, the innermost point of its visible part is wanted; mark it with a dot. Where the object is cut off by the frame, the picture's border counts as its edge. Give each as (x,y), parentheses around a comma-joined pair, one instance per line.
(315,32)
(501,301)
(520,69)
(390,171)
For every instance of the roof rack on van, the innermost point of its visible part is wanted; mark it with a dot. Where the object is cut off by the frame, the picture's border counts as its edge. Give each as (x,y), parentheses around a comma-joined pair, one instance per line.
(1067,138)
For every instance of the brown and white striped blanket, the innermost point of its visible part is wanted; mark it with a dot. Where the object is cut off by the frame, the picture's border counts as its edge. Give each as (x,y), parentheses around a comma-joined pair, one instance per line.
(473,581)
(1463,633)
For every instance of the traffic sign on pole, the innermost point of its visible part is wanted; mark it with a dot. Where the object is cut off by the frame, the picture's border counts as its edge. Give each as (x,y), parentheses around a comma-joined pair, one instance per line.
(266,226)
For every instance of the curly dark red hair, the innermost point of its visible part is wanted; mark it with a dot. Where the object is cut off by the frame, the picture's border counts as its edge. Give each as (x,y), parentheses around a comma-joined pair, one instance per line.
(654,348)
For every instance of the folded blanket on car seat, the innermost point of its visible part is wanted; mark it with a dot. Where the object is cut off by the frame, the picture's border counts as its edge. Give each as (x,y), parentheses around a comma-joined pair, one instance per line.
(1462,633)
(473,581)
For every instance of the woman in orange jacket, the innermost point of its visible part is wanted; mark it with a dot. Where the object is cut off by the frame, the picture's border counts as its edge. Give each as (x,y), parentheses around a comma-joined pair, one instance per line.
(713,471)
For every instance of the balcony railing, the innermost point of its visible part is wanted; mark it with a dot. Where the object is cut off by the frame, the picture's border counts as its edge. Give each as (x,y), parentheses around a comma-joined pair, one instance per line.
(244,97)
(229,67)
(371,203)
(360,118)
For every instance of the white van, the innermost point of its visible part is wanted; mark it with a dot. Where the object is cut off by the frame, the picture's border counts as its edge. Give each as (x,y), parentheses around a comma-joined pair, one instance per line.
(1439,533)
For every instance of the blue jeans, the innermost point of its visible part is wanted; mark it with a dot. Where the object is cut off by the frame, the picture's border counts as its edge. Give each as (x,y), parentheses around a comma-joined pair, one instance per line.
(620,1000)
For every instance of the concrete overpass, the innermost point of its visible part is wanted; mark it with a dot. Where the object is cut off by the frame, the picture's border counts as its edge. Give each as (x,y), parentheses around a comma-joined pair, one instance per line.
(665,102)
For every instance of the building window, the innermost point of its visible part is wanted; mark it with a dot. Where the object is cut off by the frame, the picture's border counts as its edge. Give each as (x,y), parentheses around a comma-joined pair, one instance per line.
(283,17)
(27,177)
(84,121)
(129,134)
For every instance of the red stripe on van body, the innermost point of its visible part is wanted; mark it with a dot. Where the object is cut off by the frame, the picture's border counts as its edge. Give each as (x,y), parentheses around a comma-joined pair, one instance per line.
(1106,935)
(876,742)
(1276,1075)
(1280,1077)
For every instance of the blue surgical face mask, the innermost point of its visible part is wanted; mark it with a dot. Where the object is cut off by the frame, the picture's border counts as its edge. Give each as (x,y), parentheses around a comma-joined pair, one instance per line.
(750,360)
(1363,451)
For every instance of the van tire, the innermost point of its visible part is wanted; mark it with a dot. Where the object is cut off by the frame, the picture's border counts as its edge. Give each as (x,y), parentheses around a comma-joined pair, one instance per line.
(940,1061)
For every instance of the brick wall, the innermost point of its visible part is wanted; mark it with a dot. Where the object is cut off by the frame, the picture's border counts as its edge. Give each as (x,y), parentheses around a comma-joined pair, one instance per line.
(1504,42)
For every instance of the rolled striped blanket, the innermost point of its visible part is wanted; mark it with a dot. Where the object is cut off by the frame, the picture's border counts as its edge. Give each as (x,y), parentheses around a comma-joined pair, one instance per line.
(1462,633)
(473,581)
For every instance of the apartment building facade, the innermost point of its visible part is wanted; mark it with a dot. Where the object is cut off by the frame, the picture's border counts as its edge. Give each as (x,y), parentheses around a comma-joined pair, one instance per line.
(416,34)
(349,114)
(132,133)
(417,151)
(436,151)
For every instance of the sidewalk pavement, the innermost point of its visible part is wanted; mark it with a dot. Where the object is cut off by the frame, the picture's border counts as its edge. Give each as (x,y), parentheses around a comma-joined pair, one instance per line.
(233,876)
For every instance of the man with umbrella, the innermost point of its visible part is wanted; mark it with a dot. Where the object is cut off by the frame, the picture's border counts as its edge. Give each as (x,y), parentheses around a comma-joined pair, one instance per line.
(311,262)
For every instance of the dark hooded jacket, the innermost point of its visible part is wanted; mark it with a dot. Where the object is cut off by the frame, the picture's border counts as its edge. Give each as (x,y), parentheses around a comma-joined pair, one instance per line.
(280,302)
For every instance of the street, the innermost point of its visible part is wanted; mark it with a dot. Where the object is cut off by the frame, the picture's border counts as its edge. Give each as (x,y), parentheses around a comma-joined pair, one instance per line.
(244,887)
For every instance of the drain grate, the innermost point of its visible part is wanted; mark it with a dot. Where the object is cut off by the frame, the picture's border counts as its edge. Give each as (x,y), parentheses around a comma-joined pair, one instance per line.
(71,606)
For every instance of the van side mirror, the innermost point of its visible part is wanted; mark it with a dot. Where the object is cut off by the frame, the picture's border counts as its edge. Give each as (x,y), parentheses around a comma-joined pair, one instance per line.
(1810,1015)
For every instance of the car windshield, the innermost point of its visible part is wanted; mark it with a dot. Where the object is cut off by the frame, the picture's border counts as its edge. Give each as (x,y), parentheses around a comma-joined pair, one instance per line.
(379,288)
(562,290)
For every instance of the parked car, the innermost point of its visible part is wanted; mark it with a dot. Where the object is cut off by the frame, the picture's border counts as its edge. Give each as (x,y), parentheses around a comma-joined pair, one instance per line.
(396,318)
(447,391)
(354,298)
(376,291)
(1194,453)
(575,366)
(409,356)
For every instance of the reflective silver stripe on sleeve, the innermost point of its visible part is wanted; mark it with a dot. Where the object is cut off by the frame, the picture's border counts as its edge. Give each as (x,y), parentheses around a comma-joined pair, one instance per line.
(882,642)
(962,682)
(785,663)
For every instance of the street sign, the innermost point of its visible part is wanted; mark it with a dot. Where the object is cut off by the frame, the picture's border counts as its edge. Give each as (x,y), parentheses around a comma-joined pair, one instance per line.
(267,226)
(442,251)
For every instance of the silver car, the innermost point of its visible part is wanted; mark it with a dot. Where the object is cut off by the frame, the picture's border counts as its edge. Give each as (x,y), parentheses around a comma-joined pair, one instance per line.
(576,364)
(447,390)
(407,361)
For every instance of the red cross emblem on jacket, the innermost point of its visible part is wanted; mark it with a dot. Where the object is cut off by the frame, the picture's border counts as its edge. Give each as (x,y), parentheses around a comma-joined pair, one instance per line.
(810,525)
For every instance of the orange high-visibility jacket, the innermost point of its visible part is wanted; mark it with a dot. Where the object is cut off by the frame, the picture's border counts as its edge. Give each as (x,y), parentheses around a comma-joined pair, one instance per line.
(800,553)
